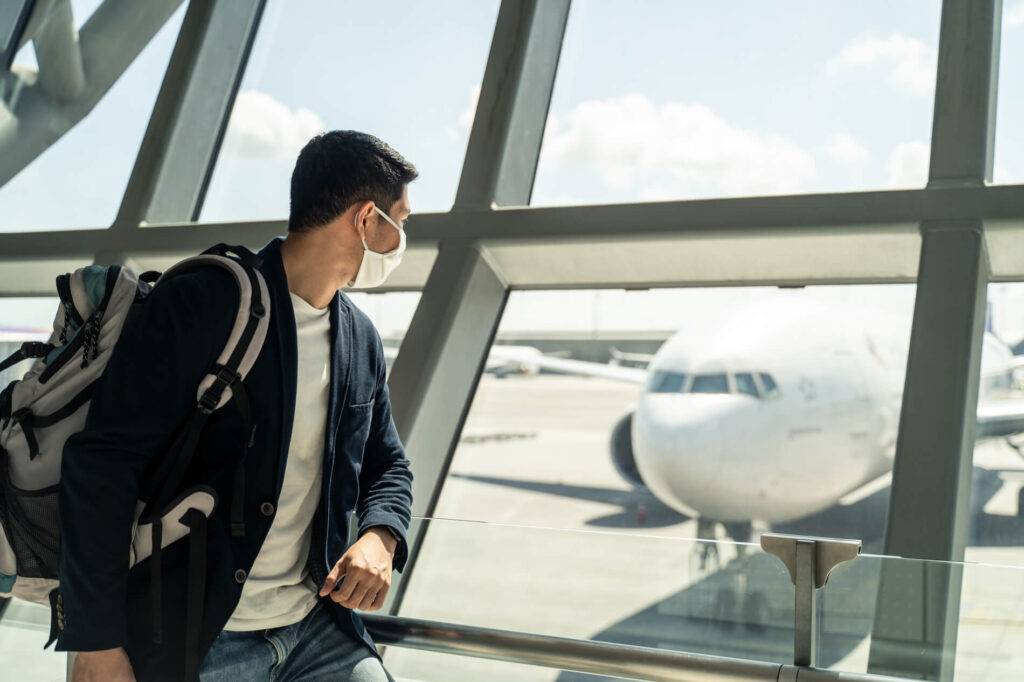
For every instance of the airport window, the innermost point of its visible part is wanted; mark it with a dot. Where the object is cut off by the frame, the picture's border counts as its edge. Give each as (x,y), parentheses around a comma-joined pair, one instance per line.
(666,382)
(414,86)
(745,384)
(595,452)
(78,182)
(996,533)
(1009,143)
(785,101)
(710,383)
(21,320)
(391,314)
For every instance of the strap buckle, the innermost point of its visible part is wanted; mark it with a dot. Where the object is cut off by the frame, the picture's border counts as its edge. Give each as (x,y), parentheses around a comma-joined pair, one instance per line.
(35,349)
(223,377)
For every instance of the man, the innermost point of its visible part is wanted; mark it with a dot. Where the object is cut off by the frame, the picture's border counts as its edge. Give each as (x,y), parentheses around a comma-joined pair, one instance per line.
(278,600)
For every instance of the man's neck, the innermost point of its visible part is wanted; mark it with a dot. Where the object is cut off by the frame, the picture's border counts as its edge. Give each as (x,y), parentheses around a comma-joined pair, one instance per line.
(315,266)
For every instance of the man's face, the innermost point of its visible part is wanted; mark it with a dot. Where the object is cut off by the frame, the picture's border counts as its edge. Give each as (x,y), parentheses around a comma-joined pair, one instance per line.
(380,235)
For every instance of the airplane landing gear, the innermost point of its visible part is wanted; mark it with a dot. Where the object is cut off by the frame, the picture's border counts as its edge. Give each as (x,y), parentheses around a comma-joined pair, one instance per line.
(739,532)
(706,549)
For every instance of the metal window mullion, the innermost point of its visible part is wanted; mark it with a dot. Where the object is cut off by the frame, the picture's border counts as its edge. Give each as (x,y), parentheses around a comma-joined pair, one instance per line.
(917,610)
(445,350)
(191,112)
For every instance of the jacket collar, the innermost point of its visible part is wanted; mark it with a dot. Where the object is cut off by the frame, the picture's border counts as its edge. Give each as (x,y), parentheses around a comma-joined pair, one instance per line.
(283,320)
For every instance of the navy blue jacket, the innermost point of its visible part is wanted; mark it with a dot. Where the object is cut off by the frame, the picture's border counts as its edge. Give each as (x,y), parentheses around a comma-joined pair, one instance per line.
(148,388)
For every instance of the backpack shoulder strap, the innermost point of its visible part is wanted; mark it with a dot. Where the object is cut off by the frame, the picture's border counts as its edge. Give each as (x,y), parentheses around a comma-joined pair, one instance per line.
(246,338)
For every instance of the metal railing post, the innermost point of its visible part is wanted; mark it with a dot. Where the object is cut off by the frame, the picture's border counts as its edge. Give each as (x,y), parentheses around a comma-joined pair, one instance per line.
(809,562)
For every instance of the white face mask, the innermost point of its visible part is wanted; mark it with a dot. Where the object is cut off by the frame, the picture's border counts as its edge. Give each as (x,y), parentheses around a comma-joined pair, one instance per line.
(376,267)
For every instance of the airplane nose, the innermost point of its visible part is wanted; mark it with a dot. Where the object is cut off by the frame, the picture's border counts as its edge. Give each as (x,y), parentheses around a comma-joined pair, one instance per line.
(680,444)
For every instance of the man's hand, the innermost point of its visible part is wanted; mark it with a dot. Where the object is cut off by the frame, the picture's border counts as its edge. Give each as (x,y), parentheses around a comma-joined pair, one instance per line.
(366,569)
(110,665)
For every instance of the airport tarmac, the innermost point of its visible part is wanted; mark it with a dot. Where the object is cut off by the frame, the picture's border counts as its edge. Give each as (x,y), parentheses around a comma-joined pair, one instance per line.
(535,532)
(534,453)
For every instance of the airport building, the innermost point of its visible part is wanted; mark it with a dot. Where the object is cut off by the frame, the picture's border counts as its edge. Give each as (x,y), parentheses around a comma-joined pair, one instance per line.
(702,348)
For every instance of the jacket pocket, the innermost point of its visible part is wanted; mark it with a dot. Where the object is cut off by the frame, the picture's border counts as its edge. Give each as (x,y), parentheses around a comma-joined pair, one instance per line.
(355,430)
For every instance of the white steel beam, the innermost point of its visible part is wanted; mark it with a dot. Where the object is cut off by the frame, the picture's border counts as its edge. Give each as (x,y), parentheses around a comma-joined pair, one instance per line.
(918,605)
(864,237)
(439,364)
(177,154)
(61,72)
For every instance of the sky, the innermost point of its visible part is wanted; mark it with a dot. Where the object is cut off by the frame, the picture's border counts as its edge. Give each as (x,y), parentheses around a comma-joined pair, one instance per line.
(654,100)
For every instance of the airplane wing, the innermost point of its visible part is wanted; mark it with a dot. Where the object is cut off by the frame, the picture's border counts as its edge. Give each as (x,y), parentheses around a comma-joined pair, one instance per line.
(619,356)
(630,375)
(511,355)
(1000,418)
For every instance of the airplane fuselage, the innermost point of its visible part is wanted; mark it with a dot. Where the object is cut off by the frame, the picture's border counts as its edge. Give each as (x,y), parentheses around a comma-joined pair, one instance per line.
(774,413)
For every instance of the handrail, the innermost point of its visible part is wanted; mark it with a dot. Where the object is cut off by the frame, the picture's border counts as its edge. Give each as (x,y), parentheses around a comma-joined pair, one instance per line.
(600,658)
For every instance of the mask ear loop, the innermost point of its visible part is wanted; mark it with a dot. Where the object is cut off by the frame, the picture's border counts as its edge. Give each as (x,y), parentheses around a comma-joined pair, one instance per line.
(362,237)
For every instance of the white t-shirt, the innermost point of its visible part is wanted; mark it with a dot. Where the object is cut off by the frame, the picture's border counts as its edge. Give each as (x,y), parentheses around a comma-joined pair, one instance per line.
(278,591)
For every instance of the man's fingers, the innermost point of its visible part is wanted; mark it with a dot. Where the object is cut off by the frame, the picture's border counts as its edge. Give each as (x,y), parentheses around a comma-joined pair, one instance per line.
(358,596)
(348,586)
(368,601)
(332,579)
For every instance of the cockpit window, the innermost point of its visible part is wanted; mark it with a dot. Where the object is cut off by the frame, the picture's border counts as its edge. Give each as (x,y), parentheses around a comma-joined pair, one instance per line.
(745,384)
(770,387)
(666,382)
(760,385)
(710,383)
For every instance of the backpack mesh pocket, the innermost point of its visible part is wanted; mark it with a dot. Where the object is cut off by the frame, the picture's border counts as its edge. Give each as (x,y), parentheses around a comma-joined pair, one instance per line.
(32,525)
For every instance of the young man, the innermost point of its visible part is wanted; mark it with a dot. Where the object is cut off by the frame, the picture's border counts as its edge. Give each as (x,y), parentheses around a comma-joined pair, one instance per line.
(278,600)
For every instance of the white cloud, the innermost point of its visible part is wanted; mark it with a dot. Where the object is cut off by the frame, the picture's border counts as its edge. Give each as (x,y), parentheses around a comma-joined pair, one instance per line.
(845,148)
(262,127)
(469,113)
(1014,15)
(908,165)
(672,150)
(908,62)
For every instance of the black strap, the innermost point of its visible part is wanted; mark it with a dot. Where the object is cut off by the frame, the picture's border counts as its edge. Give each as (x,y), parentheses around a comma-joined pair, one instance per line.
(241,399)
(238,500)
(29,349)
(56,616)
(197,524)
(173,465)
(246,256)
(43,421)
(26,420)
(155,587)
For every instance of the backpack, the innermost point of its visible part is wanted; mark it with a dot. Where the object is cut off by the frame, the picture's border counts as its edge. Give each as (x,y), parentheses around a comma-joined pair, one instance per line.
(50,403)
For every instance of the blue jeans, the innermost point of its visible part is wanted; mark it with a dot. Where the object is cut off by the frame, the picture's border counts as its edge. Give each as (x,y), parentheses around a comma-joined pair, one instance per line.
(312,649)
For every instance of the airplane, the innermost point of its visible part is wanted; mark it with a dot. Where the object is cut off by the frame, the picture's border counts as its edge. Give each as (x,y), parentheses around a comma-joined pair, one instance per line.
(776,412)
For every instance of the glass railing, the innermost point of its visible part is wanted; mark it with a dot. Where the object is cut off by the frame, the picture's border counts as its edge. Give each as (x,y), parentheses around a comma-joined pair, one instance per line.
(721,598)
(876,614)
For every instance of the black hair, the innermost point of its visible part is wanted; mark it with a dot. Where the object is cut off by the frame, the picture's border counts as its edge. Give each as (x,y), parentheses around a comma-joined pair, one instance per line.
(339,168)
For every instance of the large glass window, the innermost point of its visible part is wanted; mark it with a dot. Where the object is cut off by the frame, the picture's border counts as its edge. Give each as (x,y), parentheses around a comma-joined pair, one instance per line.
(1009,158)
(739,98)
(997,501)
(684,450)
(408,72)
(78,182)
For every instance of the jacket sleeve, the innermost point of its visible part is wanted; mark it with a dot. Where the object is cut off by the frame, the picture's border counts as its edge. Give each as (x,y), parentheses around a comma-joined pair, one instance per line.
(385,481)
(145,392)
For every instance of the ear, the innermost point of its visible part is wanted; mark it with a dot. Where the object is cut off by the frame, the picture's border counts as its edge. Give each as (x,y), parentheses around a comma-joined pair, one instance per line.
(363,212)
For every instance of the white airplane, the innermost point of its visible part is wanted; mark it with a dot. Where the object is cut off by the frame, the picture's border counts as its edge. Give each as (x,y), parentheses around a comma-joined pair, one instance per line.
(777,412)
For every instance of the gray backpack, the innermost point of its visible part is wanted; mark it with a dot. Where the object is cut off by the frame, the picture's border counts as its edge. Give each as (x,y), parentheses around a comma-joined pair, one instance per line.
(39,413)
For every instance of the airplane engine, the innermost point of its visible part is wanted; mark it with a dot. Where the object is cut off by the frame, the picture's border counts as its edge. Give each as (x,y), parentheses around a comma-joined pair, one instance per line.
(622,451)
